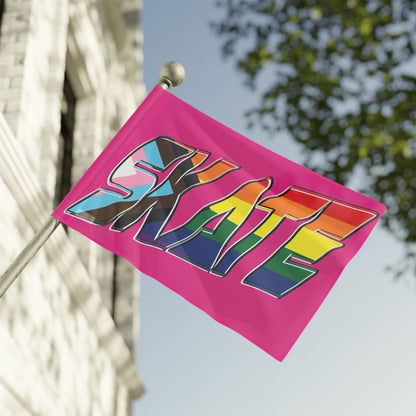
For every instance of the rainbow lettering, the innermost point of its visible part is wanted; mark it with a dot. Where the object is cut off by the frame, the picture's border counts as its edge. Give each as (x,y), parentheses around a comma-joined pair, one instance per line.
(331,222)
(149,183)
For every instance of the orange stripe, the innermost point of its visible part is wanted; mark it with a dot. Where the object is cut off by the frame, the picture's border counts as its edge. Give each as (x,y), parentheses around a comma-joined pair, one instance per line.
(250,192)
(217,169)
(331,225)
(284,206)
(198,158)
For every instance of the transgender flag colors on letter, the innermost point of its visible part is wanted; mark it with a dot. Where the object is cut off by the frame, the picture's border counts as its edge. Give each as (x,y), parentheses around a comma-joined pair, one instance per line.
(254,240)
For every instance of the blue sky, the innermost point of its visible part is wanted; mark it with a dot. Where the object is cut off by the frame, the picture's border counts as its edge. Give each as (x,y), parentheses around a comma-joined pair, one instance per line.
(356,357)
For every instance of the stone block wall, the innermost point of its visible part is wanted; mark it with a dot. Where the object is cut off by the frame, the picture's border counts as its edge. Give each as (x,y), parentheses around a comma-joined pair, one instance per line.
(68,326)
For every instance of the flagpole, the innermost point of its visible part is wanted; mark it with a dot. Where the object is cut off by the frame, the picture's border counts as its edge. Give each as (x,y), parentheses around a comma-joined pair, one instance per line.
(171,75)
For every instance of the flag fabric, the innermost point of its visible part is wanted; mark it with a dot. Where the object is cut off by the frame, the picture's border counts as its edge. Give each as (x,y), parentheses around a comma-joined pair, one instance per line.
(251,238)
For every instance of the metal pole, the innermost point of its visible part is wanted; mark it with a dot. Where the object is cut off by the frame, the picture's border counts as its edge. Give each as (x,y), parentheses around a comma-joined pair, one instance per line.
(20,262)
(171,74)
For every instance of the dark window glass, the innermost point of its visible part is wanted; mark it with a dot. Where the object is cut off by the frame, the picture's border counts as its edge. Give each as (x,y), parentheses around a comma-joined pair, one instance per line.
(63,180)
(2,9)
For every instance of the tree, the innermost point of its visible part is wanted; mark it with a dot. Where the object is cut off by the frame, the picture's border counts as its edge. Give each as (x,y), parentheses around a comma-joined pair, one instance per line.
(340,77)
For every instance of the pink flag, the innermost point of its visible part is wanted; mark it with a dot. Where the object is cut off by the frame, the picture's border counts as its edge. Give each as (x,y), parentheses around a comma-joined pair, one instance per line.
(251,238)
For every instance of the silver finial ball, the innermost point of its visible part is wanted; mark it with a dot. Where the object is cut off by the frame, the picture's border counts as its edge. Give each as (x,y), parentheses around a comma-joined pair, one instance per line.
(172,74)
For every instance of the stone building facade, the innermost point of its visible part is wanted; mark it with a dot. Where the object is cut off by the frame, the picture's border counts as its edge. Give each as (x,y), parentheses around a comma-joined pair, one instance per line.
(70,76)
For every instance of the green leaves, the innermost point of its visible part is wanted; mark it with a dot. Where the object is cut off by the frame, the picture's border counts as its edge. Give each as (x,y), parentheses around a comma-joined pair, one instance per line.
(365,27)
(344,87)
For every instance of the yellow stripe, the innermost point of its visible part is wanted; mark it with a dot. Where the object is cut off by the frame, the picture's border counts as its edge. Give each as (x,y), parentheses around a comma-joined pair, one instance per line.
(268,225)
(311,245)
(240,212)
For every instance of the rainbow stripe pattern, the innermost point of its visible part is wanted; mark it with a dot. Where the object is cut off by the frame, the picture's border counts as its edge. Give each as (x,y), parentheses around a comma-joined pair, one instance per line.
(251,238)
(151,181)
(154,176)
